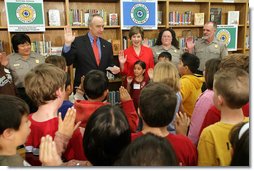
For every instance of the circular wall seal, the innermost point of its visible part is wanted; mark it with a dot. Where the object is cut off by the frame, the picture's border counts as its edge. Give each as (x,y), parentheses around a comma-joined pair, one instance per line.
(26,13)
(139,13)
(224,36)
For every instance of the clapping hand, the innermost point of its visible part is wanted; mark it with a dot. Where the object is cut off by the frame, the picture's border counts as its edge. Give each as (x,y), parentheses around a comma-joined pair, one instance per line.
(68,36)
(48,153)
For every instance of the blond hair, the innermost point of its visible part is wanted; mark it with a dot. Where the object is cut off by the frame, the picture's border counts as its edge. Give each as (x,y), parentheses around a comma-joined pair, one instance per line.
(166,72)
(42,82)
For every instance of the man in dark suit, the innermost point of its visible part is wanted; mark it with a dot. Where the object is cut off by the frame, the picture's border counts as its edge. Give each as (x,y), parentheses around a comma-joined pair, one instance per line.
(81,50)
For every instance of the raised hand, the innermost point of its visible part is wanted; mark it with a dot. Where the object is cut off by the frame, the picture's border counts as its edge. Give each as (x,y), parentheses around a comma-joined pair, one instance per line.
(67,126)
(150,73)
(122,59)
(48,153)
(189,43)
(124,95)
(182,122)
(3,58)
(68,36)
(129,79)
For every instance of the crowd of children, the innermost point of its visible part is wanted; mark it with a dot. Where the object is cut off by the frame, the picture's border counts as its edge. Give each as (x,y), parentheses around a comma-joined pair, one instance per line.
(164,118)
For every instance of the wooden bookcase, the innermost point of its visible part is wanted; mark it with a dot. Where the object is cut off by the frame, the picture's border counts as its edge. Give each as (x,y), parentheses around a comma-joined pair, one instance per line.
(56,34)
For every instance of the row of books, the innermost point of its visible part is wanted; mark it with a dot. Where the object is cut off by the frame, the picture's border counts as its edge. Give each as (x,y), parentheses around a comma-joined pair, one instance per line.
(176,18)
(114,97)
(79,17)
(41,47)
(148,42)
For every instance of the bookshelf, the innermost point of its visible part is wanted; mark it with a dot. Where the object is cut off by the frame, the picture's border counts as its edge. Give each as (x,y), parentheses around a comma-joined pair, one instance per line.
(56,33)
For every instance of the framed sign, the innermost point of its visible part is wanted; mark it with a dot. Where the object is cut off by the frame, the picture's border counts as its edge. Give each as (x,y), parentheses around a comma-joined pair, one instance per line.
(139,13)
(228,35)
(25,16)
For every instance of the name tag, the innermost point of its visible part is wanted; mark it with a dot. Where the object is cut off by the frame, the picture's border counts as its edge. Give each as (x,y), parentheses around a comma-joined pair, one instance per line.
(37,61)
(136,86)
(16,65)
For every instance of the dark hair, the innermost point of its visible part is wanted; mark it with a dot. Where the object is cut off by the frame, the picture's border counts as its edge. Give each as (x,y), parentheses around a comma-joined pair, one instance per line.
(107,133)
(211,66)
(174,40)
(136,30)
(233,85)
(141,63)
(165,55)
(149,150)
(12,109)
(240,145)
(157,104)
(190,60)
(59,61)
(95,83)
(19,38)
(68,80)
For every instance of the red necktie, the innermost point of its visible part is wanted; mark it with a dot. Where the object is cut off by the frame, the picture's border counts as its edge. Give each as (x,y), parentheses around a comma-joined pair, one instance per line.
(96,51)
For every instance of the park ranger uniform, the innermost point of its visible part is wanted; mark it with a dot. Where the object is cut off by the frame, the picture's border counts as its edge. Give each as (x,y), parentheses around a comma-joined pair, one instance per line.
(175,53)
(20,66)
(204,51)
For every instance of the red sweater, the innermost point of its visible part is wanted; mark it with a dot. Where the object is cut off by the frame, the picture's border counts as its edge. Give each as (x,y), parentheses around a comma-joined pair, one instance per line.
(75,148)
(85,108)
(185,150)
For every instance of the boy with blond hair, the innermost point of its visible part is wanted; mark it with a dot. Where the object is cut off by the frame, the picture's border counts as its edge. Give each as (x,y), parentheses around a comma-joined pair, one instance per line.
(231,92)
(45,84)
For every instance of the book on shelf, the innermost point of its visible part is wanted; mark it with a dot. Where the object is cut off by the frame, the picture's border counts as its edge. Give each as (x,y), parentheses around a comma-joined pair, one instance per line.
(233,17)
(115,46)
(56,50)
(54,17)
(113,19)
(159,13)
(85,19)
(199,19)
(247,41)
(1,46)
(215,15)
